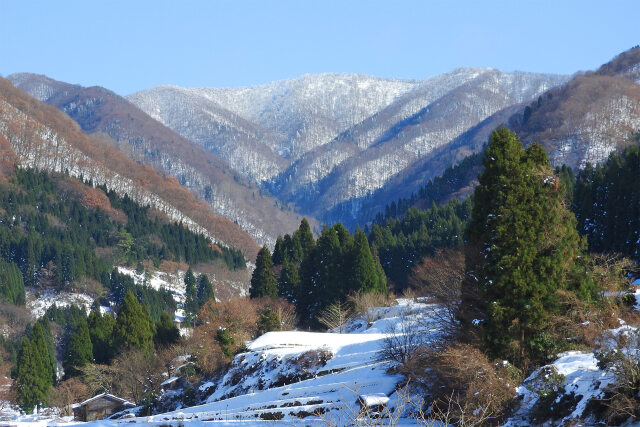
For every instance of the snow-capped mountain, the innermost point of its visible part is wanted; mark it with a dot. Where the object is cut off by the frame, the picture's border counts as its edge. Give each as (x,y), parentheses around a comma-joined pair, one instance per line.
(101,112)
(322,140)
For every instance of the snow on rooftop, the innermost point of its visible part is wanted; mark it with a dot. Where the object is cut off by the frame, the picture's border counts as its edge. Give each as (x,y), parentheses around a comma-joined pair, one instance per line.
(375,399)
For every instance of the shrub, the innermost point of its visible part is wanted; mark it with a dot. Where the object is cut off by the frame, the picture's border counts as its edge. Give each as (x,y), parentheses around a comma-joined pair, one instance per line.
(621,354)
(466,387)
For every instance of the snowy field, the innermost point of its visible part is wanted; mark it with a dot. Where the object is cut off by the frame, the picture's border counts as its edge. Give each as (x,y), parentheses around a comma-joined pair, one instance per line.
(310,378)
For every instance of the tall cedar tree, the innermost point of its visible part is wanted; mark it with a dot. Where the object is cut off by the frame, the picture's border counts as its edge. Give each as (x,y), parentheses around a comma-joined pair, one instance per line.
(79,350)
(263,280)
(303,237)
(166,332)
(278,257)
(45,350)
(191,296)
(288,281)
(134,326)
(522,247)
(364,275)
(32,380)
(101,333)
(205,290)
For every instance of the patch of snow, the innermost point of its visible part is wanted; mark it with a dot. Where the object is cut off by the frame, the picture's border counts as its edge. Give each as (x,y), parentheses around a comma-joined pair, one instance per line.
(39,303)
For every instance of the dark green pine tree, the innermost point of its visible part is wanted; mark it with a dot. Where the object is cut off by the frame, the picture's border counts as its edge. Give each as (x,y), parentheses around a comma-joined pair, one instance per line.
(43,344)
(134,326)
(522,246)
(303,238)
(205,290)
(364,276)
(382,277)
(263,280)
(11,284)
(190,297)
(288,281)
(292,250)
(322,275)
(101,329)
(32,380)
(279,254)
(79,350)
(166,332)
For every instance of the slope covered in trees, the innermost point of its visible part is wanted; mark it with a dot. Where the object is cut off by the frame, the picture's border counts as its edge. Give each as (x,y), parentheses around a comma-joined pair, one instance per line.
(42,137)
(314,274)
(606,201)
(103,113)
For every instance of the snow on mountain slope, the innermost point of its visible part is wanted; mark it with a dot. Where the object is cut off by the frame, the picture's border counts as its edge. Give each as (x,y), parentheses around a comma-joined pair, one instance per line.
(133,132)
(321,140)
(416,137)
(313,109)
(246,146)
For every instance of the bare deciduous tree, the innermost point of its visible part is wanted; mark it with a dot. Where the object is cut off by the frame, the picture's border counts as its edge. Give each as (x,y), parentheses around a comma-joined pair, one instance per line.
(335,316)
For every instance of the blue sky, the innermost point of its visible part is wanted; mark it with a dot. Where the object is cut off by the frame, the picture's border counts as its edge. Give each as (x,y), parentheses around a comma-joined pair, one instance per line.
(132,45)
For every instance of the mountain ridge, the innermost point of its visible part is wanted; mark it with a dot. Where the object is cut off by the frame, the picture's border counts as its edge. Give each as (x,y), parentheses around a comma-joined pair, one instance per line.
(44,138)
(105,114)
(345,142)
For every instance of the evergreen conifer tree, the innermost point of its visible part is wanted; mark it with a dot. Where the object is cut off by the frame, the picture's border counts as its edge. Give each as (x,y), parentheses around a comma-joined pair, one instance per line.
(304,237)
(278,256)
(191,296)
(263,280)
(79,350)
(43,344)
(166,332)
(101,333)
(382,277)
(288,281)
(363,275)
(523,246)
(205,290)
(134,326)
(32,379)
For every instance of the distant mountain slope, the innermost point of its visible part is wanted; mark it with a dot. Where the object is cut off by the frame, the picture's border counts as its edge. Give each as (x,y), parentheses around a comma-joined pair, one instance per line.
(44,138)
(590,116)
(414,140)
(584,120)
(339,137)
(103,113)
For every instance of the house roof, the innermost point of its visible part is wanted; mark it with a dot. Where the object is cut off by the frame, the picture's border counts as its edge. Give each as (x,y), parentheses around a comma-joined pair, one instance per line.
(108,396)
(374,399)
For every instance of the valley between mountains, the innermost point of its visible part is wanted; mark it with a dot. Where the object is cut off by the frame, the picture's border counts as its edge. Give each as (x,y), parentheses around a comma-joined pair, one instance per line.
(332,249)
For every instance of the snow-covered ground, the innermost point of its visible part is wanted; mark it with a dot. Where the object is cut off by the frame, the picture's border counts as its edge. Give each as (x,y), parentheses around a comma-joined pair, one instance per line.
(308,376)
(582,378)
(38,304)
(295,377)
(172,282)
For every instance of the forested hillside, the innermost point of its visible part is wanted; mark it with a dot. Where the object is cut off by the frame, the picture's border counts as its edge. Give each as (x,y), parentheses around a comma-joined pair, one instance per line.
(57,233)
(104,114)
(44,138)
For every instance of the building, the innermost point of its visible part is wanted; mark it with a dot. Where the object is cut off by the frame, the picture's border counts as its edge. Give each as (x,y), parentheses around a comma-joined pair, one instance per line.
(99,407)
